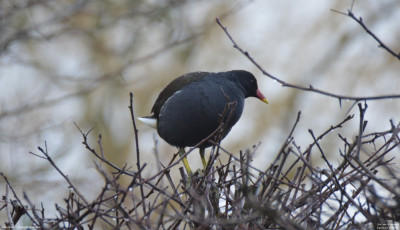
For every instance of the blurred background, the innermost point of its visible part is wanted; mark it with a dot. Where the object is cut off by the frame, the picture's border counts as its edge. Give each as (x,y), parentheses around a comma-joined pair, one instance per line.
(76,61)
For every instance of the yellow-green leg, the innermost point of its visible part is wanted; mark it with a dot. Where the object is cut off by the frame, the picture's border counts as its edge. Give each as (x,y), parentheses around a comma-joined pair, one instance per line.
(203,159)
(185,161)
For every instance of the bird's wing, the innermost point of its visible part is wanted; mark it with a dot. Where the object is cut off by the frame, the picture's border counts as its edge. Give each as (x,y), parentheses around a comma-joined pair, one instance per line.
(175,86)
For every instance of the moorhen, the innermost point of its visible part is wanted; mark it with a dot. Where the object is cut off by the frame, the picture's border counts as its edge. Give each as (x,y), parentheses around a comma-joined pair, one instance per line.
(192,107)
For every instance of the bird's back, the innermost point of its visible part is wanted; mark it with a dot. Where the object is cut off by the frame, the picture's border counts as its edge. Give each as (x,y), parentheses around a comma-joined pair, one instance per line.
(194,112)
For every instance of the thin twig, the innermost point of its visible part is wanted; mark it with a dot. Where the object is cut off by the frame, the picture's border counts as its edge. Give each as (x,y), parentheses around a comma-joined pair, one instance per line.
(360,21)
(137,153)
(310,88)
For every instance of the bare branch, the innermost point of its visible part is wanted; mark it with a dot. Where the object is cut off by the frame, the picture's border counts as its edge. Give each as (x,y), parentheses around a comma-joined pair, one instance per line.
(310,88)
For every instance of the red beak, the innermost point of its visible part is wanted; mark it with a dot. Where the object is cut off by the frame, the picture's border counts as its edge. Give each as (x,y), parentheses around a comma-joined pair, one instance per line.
(261,96)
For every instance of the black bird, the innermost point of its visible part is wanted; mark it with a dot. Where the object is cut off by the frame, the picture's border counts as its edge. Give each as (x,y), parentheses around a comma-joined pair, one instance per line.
(192,107)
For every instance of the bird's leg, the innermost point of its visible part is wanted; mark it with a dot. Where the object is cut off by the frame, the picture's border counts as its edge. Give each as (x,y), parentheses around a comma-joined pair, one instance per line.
(203,159)
(185,161)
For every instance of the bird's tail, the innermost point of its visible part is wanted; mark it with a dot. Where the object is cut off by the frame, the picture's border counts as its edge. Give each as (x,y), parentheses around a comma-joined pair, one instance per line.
(150,121)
